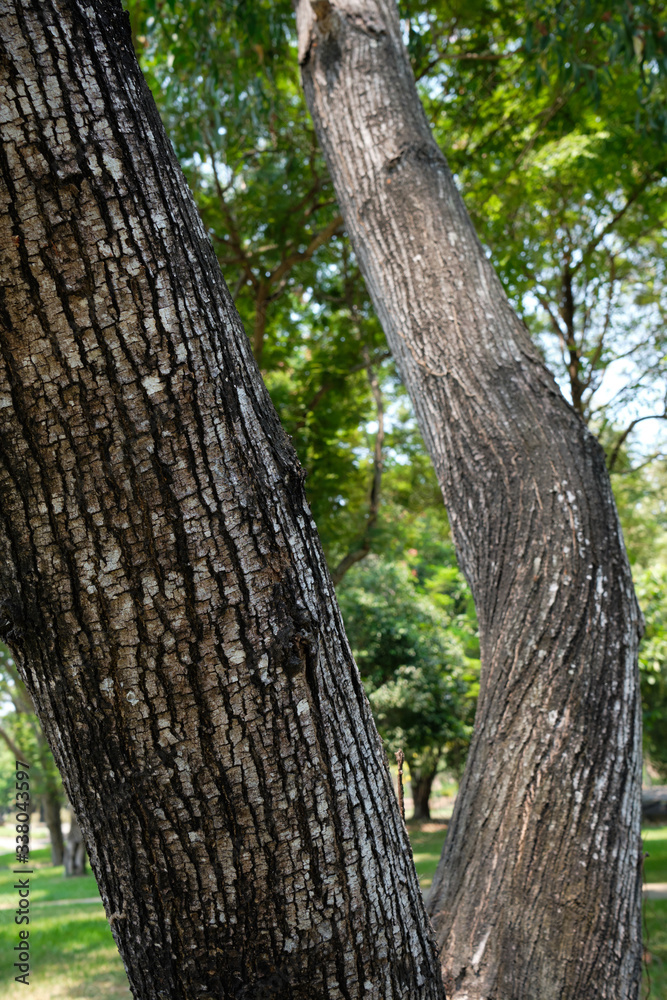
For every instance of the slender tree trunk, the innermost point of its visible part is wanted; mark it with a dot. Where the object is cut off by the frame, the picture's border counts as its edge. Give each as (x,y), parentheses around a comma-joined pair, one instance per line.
(421,783)
(161,580)
(538,891)
(52,802)
(75,850)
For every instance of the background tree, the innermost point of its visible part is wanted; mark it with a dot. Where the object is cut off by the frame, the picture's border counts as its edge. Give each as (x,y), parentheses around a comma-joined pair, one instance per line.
(412,659)
(553,119)
(651,589)
(22,733)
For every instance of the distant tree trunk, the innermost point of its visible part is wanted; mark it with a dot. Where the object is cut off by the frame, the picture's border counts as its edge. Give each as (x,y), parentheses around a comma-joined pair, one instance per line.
(421,783)
(161,580)
(538,891)
(75,849)
(51,801)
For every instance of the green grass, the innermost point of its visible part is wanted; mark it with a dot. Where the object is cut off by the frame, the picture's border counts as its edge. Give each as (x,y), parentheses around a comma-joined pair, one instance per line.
(655,915)
(47,883)
(655,845)
(655,949)
(427,840)
(75,957)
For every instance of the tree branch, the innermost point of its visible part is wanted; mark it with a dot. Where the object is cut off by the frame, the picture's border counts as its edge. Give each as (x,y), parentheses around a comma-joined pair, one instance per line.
(14,748)
(316,242)
(597,352)
(279,274)
(631,199)
(326,386)
(235,238)
(628,430)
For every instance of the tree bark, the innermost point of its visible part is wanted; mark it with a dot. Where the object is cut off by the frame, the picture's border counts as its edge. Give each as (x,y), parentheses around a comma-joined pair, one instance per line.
(74,858)
(161,581)
(52,802)
(538,891)
(421,783)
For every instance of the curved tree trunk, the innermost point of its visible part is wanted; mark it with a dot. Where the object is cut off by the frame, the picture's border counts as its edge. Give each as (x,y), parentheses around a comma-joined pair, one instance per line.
(52,802)
(421,783)
(538,891)
(161,581)
(75,850)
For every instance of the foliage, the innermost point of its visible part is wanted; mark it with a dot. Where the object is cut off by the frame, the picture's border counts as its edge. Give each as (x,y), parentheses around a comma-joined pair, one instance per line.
(412,659)
(554,118)
(551,118)
(586,41)
(652,591)
(641,499)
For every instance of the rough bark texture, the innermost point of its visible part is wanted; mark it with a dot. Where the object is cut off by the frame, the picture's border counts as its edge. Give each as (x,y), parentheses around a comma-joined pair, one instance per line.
(161,581)
(74,858)
(537,896)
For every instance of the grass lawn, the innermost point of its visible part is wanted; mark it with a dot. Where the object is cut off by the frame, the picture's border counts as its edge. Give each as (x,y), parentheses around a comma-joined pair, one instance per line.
(655,914)
(427,840)
(74,956)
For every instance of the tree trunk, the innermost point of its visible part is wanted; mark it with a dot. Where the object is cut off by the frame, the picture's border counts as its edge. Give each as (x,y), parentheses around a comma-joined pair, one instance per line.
(421,783)
(51,801)
(538,891)
(161,580)
(75,849)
